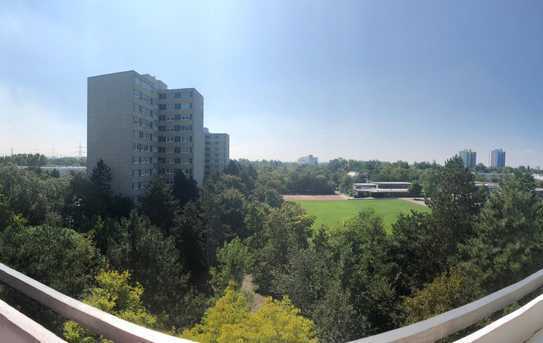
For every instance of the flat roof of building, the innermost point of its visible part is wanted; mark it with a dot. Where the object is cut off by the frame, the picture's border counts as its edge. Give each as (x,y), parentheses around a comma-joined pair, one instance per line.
(384,190)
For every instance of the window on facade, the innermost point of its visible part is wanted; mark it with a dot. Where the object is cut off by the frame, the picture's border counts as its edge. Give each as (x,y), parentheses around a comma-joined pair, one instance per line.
(162,96)
(162,106)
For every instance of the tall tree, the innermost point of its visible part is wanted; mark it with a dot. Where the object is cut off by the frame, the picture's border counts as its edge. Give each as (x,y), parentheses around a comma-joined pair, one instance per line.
(508,235)
(190,233)
(59,257)
(455,203)
(185,188)
(159,205)
(101,177)
(230,320)
(114,294)
(153,261)
(367,273)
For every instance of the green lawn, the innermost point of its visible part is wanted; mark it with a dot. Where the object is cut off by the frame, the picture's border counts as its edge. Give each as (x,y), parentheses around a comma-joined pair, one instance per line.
(333,213)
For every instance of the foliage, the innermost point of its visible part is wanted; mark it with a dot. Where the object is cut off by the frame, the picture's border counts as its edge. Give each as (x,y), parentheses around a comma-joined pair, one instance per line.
(58,257)
(455,204)
(159,204)
(415,189)
(66,260)
(447,291)
(304,180)
(311,280)
(36,197)
(113,294)
(224,209)
(367,272)
(152,260)
(185,188)
(230,320)
(89,198)
(417,250)
(190,236)
(234,260)
(101,177)
(507,244)
(284,231)
(26,160)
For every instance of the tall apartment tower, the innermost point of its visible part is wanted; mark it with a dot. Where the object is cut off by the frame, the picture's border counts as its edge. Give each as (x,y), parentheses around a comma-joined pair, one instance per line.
(497,158)
(469,157)
(142,129)
(181,140)
(217,152)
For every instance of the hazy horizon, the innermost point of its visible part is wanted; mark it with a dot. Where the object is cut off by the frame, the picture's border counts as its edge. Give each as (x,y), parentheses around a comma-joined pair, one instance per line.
(354,79)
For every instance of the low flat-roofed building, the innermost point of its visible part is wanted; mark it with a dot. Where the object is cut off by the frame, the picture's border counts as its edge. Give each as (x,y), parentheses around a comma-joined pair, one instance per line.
(492,186)
(381,189)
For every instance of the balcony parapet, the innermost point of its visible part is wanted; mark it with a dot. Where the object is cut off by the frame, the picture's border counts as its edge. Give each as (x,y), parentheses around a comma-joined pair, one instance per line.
(448,323)
(93,319)
(15,327)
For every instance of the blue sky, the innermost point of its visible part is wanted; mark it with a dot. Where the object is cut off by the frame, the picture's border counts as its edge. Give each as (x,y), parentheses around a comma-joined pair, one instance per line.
(389,80)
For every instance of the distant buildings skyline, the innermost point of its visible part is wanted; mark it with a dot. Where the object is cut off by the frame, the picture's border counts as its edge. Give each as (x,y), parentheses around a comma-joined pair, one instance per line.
(469,157)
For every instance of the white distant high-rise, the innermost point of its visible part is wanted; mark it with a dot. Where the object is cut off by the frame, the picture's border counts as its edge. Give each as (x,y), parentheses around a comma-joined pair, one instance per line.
(497,158)
(308,160)
(142,129)
(469,157)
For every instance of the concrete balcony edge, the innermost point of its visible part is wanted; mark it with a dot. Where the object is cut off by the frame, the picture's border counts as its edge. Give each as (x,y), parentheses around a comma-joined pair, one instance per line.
(95,320)
(448,323)
(15,327)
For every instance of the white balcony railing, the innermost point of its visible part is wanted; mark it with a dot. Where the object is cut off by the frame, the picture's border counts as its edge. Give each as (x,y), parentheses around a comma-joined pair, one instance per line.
(525,324)
(95,320)
(448,323)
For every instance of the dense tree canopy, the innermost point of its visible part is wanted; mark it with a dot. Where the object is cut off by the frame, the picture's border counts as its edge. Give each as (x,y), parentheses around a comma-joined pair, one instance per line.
(183,244)
(231,320)
(114,294)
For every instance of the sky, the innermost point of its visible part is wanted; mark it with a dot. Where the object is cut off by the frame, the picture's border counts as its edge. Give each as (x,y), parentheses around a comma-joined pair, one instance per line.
(412,80)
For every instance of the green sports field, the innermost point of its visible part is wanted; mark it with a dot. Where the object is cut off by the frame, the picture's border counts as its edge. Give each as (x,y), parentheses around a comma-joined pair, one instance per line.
(334,212)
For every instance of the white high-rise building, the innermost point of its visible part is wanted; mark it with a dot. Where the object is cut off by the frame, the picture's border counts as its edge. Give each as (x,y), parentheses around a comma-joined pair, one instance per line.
(497,158)
(142,129)
(308,160)
(469,157)
(217,152)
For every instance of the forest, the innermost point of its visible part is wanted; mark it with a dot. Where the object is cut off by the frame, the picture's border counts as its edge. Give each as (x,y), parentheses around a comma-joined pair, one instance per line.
(232,261)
